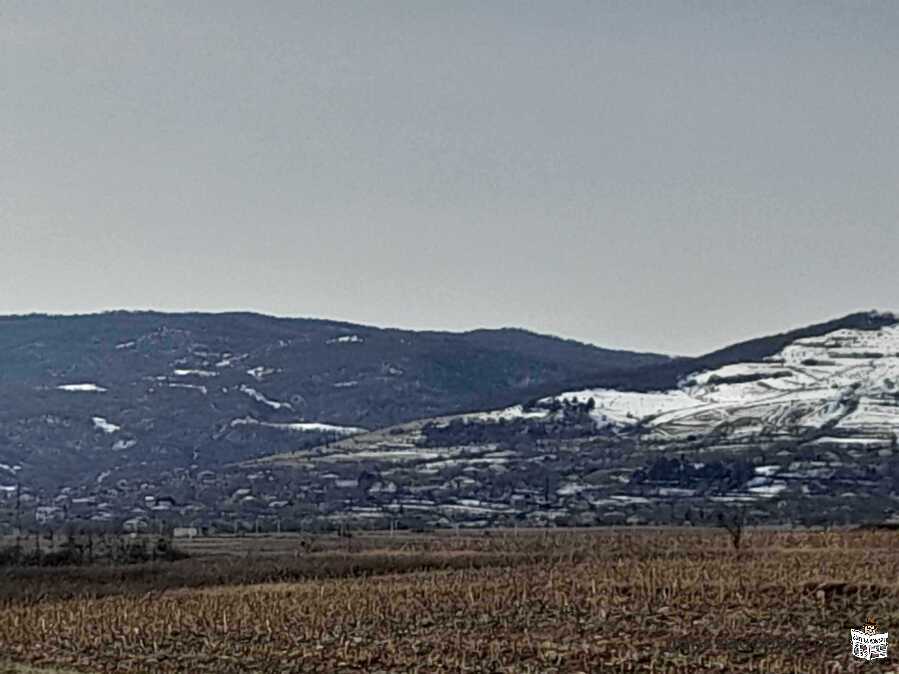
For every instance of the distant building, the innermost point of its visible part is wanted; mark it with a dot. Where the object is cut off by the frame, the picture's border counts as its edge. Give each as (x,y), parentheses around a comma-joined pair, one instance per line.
(44,514)
(135,525)
(185,532)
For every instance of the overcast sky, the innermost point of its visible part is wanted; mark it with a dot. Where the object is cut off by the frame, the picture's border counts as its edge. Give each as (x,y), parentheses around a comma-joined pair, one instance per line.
(658,176)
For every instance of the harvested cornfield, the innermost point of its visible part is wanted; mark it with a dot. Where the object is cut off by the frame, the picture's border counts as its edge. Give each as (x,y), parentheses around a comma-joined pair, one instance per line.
(662,601)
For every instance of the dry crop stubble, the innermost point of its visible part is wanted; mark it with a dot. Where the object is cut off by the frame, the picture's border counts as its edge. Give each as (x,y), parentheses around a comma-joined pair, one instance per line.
(673,602)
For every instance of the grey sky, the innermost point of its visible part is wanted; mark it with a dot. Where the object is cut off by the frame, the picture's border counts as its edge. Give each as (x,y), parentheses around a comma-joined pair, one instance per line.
(661,176)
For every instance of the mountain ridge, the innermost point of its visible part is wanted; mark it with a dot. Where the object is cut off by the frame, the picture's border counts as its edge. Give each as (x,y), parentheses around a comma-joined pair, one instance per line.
(218,419)
(172,384)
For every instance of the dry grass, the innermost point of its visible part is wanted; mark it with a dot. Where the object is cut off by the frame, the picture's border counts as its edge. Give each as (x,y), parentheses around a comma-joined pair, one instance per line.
(16,668)
(665,601)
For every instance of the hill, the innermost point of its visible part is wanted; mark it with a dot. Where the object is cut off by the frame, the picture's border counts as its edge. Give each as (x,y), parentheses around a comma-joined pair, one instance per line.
(797,427)
(98,398)
(238,420)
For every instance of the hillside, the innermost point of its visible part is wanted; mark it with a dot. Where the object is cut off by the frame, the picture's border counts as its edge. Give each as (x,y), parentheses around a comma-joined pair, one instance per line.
(232,421)
(799,427)
(99,398)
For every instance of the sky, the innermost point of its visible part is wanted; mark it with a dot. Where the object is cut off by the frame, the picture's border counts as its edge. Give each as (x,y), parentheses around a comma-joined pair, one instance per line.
(658,176)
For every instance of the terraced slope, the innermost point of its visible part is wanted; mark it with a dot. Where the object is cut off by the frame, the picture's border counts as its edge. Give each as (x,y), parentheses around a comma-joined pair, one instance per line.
(805,432)
(846,380)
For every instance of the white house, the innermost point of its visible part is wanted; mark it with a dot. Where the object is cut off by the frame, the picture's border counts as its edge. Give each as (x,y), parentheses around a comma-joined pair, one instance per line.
(185,532)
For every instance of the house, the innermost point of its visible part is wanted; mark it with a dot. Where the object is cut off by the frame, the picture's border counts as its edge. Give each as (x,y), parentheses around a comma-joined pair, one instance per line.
(135,525)
(185,532)
(44,514)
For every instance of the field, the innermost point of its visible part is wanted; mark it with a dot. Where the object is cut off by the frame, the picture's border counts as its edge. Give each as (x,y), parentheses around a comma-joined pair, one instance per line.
(675,600)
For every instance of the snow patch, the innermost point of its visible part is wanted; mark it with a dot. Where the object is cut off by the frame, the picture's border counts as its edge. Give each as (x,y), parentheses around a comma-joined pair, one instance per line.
(769,490)
(627,407)
(195,387)
(82,387)
(260,373)
(850,441)
(766,471)
(229,359)
(571,489)
(301,426)
(346,339)
(105,426)
(258,397)
(507,414)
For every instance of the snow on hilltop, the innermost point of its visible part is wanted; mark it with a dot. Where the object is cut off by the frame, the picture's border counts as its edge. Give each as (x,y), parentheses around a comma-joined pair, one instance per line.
(847,379)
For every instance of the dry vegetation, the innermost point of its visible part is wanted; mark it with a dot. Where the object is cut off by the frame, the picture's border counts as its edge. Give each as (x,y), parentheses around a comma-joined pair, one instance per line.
(588,601)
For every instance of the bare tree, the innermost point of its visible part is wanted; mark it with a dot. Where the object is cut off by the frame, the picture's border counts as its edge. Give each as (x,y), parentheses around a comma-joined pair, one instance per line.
(18,518)
(734,522)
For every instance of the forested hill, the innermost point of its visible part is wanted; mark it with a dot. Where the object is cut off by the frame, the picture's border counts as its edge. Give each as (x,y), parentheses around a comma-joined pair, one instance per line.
(81,392)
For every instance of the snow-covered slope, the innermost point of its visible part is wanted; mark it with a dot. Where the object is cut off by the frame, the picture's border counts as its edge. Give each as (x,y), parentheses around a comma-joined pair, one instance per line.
(847,380)
(799,427)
